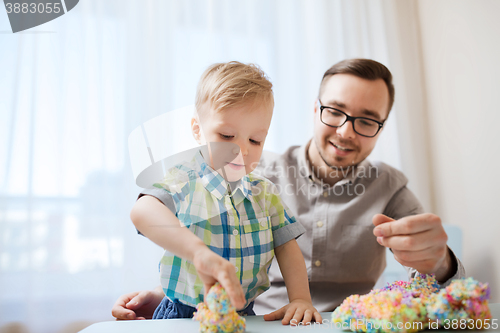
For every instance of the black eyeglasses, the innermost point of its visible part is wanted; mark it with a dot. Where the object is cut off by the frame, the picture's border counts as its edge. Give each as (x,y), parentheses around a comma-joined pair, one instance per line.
(335,118)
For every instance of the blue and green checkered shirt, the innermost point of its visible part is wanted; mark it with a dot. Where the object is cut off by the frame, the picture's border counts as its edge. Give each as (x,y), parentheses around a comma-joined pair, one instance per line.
(242,223)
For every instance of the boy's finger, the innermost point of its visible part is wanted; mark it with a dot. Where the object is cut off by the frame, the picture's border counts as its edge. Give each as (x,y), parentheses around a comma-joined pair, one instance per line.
(299,314)
(317,317)
(275,315)
(123,314)
(234,290)
(236,296)
(135,302)
(288,316)
(308,315)
(119,310)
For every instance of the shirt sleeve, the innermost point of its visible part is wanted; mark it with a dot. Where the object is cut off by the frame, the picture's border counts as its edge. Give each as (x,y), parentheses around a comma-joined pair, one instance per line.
(284,225)
(164,196)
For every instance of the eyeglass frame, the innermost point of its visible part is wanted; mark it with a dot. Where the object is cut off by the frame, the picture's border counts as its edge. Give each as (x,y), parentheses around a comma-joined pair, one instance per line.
(349,118)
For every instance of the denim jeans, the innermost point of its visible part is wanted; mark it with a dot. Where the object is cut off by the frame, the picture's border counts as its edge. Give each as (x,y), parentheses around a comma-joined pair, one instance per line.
(174,309)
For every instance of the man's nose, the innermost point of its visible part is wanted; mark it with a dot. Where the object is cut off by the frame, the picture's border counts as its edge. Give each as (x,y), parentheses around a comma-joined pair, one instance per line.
(347,130)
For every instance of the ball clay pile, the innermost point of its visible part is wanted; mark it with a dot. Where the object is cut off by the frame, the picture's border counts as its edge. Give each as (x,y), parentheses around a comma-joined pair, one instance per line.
(217,315)
(401,304)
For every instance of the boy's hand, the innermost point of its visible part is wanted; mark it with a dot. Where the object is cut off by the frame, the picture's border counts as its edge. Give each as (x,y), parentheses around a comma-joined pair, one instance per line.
(297,311)
(137,305)
(212,268)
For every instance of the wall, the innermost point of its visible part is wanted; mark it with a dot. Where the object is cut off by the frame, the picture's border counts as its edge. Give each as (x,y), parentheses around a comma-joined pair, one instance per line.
(461,70)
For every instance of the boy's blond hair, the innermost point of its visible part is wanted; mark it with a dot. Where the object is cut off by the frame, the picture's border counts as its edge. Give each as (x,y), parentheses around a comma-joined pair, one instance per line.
(223,85)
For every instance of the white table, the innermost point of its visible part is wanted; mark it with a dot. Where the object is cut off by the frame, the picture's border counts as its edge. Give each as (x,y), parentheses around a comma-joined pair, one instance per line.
(255,324)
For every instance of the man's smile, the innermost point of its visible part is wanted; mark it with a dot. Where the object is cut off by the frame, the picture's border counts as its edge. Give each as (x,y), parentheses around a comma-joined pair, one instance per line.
(341,150)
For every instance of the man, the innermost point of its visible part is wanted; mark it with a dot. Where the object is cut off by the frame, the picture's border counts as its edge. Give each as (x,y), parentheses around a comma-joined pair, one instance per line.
(351,209)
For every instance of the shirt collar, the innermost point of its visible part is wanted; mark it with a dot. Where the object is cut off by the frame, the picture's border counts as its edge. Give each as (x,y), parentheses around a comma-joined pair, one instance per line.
(218,186)
(305,167)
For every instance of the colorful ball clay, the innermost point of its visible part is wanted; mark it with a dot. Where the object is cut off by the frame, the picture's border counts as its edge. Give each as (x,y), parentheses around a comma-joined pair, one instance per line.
(462,299)
(218,315)
(218,300)
(413,305)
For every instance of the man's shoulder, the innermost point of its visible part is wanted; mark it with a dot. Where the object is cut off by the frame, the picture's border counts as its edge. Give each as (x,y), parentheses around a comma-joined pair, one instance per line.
(391,176)
(270,161)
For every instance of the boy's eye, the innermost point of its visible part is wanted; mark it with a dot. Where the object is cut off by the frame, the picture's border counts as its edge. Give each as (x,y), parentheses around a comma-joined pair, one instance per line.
(226,137)
(255,142)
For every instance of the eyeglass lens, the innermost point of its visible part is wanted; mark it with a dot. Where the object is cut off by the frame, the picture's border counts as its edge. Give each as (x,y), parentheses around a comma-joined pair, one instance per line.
(362,126)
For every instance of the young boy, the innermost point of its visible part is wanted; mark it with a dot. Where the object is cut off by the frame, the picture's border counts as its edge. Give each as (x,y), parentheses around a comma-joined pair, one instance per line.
(223,222)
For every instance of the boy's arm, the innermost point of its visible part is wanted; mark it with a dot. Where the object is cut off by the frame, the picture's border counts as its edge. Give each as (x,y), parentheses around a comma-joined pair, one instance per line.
(159,224)
(293,269)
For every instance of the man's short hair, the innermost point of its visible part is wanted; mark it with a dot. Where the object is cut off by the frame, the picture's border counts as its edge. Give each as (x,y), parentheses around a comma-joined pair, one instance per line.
(223,85)
(364,68)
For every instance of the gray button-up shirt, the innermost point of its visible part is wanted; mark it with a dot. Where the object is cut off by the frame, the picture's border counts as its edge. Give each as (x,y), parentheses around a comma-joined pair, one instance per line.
(341,253)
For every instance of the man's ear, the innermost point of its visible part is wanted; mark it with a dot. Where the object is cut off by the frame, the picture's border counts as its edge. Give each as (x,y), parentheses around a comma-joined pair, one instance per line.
(316,105)
(196,129)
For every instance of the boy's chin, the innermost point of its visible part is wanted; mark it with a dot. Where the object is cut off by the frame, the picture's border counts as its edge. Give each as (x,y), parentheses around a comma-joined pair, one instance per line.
(231,175)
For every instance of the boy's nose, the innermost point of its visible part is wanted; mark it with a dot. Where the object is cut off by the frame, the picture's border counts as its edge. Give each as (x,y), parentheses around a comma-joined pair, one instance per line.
(244,150)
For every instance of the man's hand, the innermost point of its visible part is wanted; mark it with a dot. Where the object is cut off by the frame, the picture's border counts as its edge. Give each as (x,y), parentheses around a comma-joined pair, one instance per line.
(294,313)
(138,305)
(212,268)
(417,241)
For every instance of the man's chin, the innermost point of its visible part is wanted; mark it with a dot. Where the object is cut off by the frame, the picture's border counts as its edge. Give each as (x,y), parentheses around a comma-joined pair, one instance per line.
(342,166)
(340,162)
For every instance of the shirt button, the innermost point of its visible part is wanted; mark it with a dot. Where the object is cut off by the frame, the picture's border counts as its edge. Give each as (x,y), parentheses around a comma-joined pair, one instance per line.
(235,232)
(317,263)
(325,194)
(236,269)
(263,223)
(319,224)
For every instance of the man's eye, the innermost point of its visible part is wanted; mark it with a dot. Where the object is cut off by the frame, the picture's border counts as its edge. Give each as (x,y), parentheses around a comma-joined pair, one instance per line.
(367,123)
(336,113)
(226,137)
(255,142)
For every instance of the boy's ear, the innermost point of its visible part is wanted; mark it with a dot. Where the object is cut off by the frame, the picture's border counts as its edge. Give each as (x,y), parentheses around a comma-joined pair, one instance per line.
(196,129)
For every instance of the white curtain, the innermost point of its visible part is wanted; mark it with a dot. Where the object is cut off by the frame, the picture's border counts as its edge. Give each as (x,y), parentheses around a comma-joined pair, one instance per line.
(73,89)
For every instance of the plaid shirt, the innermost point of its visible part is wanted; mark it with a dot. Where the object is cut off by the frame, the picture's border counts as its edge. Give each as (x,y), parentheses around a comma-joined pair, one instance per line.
(242,225)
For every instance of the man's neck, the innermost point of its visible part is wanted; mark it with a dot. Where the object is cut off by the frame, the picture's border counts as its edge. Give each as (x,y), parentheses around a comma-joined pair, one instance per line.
(322,171)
